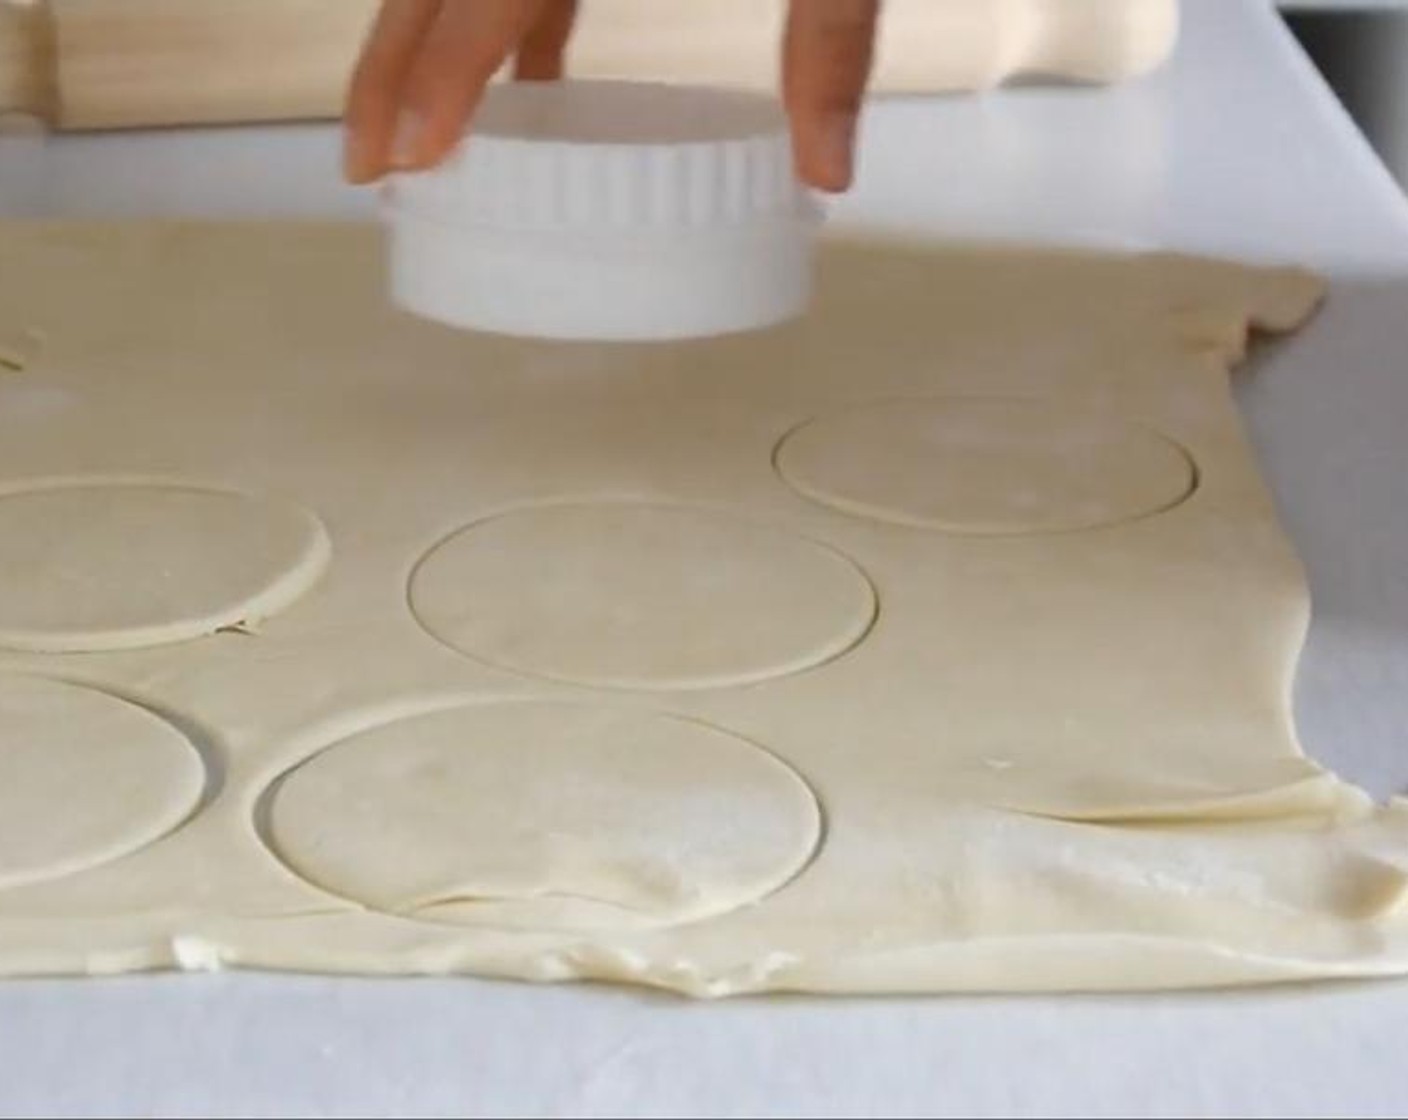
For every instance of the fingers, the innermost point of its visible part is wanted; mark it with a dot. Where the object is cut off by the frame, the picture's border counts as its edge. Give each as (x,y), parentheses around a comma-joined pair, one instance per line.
(424,69)
(374,96)
(540,55)
(426,63)
(459,54)
(827,55)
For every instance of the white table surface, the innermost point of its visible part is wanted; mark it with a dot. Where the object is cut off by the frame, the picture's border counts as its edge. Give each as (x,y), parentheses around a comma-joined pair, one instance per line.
(1342,5)
(1236,148)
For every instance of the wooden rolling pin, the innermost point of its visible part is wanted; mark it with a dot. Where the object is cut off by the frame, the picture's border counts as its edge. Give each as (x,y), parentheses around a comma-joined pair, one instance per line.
(81,64)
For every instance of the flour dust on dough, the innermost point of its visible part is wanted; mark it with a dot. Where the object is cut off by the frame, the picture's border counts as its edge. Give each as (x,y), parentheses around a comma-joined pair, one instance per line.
(545,816)
(85,778)
(625,595)
(986,465)
(94,565)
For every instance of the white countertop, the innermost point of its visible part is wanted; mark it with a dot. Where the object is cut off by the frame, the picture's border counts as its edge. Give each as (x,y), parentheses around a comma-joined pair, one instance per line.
(1342,5)
(1236,148)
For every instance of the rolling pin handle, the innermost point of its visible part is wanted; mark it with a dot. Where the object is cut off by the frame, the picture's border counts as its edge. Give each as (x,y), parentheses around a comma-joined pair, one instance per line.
(26,60)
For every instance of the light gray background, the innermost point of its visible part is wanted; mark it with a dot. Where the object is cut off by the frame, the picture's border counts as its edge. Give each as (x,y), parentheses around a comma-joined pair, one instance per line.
(1236,148)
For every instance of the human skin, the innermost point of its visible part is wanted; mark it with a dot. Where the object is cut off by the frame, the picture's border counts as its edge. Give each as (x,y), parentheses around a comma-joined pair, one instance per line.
(426,64)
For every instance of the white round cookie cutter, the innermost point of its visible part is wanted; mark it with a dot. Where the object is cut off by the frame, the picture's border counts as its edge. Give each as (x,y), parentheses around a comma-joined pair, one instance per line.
(608,210)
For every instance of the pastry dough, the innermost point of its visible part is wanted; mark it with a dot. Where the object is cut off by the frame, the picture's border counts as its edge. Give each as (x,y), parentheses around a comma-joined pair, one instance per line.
(562,817)
(85,778)
(103,564)
(987,465)
(623,595)
(942,641)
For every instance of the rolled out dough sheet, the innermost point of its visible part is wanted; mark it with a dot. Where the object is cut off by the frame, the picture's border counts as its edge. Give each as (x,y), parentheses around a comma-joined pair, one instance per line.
(941,642)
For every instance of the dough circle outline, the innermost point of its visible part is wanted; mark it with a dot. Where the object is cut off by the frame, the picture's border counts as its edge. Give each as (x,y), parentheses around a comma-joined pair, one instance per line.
(560,592)
(116,563)
(986,466)
(86,778)
(541,815)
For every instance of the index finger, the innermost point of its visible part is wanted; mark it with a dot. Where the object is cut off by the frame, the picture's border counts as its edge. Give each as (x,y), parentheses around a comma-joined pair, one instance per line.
(827,55)
(372,98)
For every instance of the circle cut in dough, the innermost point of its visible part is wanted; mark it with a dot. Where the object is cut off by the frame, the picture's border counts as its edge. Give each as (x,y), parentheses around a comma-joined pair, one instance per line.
(108,565)
(545,816)
(85,778)
(619,595)
(986,465)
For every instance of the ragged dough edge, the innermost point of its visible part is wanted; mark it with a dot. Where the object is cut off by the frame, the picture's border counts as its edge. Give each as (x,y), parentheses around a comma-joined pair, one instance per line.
(1214,304)
(1061,964)
(1372,942)
(1123,964)
(1248,301)
(1272,301)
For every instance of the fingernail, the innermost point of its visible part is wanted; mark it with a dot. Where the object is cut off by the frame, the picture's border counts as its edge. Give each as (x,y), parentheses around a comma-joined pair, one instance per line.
(405,145)
(836,140)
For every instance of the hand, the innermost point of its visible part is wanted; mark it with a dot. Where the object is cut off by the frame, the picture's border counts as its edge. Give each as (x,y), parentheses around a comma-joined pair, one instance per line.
(427,63)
